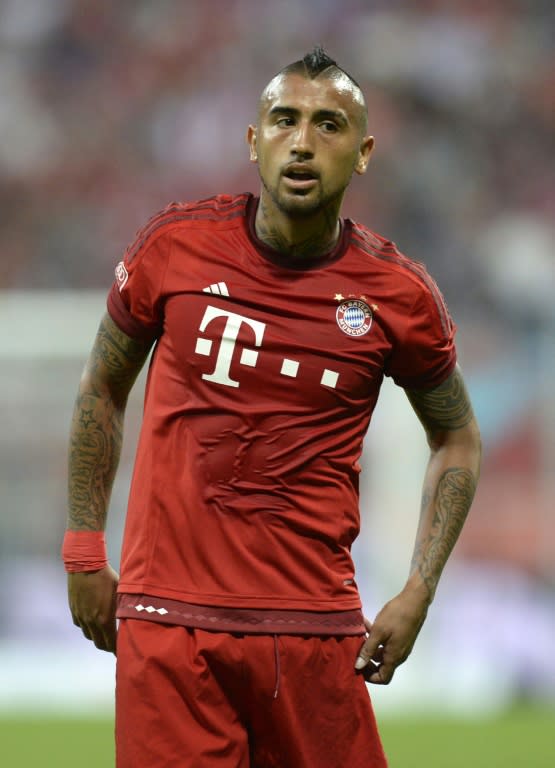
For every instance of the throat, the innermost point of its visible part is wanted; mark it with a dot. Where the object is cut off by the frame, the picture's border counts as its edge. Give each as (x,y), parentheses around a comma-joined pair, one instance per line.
(311,244)
(311,248)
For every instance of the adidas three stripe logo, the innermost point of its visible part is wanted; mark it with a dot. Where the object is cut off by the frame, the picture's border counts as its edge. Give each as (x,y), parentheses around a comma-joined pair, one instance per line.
(219,289)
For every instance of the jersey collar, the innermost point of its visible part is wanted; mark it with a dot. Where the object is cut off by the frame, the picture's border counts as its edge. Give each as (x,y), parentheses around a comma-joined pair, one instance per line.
(286,262)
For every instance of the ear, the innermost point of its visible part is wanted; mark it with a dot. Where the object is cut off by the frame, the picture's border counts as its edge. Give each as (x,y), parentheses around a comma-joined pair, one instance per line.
(366,147)
(251,141)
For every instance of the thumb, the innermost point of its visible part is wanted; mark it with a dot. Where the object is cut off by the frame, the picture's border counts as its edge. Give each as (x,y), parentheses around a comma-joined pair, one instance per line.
(370,648)
(361,662)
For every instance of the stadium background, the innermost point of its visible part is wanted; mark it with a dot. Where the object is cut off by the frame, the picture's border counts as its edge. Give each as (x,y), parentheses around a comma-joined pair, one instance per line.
(110,110)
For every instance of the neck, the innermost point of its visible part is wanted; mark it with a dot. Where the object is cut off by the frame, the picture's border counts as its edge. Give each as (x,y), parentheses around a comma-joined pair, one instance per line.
(299,238)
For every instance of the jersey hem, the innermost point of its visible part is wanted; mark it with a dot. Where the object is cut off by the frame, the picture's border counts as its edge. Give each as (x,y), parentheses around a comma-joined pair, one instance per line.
(240,620)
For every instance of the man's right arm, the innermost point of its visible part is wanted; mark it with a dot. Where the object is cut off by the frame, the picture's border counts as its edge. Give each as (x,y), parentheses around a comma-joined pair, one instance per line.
(95,446)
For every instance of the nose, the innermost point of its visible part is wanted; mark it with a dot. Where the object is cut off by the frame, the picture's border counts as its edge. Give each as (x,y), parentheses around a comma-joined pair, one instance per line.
(302,140)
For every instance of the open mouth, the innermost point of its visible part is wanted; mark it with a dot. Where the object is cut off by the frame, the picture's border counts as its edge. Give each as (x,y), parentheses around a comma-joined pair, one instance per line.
(300,178)
(300,175)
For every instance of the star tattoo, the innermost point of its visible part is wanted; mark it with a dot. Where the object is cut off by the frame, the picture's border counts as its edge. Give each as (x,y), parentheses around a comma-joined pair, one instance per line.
(86,418)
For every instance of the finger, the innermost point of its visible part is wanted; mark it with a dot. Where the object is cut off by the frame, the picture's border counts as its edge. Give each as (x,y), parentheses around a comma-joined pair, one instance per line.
(98,637)
(110,637)
(105,636)
(370,649)
(85,627)
(377,657)
(382,675)
(373,664)
(391,658)
(369,670)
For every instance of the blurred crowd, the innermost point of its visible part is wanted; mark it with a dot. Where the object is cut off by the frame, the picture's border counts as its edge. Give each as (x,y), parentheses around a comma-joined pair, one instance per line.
(108,111)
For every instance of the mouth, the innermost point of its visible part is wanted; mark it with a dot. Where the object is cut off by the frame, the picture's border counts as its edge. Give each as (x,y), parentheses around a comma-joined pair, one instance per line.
(300,177)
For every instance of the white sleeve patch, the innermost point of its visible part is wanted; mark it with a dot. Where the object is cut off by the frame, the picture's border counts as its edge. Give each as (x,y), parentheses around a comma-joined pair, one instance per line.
(121,275)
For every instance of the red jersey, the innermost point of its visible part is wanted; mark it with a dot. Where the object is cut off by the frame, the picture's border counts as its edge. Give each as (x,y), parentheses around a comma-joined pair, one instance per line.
(260,390)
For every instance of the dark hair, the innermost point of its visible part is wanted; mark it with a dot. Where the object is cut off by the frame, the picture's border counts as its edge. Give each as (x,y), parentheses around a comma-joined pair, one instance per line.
(317,61)
(314,63)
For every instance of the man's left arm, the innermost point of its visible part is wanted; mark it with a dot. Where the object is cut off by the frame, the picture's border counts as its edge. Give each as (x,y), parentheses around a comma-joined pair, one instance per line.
(449,485)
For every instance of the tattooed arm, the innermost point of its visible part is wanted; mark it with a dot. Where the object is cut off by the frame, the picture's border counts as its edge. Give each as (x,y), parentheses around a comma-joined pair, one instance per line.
(95,446)
(449,485)
(451,476)
(97,425)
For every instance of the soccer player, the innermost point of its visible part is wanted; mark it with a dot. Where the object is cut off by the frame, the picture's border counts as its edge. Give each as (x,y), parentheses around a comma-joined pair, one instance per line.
(272,321)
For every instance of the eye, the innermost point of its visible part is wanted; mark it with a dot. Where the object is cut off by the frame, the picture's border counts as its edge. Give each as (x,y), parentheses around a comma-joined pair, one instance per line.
(328,126)
(285,122)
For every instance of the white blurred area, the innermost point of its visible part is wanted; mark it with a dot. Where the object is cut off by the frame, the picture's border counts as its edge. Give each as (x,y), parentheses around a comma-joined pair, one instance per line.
(110,110)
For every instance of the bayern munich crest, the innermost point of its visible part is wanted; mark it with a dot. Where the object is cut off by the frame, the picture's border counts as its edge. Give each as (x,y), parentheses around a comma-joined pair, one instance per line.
(354,317)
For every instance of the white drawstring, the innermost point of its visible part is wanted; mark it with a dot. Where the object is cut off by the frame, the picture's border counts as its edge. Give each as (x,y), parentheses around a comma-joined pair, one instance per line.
(278,667)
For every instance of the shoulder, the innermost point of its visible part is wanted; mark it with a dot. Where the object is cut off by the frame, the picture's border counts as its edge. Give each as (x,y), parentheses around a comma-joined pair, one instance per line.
(219,211)
(402,274)
(384,253)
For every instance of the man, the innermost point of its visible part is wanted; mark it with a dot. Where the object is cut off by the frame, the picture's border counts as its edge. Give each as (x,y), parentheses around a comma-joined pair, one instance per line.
(241,640)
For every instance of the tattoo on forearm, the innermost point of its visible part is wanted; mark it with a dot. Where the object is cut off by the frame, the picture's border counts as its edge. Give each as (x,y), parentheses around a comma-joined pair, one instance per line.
(97,424)
(452,500)
(445,407)
(94,454)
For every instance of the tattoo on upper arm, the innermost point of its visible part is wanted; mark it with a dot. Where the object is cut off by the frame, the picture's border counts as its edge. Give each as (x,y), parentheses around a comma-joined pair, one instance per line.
(446,407)
(117,355)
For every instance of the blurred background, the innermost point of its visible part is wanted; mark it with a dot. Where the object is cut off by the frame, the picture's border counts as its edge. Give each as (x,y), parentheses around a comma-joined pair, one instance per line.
(108,111)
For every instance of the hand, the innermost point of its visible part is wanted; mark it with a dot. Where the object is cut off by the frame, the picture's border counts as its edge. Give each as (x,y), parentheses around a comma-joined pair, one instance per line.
(92,602)
(392,635)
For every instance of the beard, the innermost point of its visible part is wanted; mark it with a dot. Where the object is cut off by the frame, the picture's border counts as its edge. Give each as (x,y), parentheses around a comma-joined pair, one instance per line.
(299,205)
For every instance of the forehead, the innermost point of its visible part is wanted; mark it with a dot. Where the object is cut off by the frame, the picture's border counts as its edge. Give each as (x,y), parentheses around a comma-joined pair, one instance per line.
(309,95)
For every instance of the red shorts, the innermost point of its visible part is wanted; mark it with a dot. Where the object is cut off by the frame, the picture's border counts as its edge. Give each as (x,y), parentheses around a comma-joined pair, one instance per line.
(188,698)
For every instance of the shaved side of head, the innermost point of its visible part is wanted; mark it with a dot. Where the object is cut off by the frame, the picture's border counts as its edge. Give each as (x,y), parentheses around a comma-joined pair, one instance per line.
(315,64)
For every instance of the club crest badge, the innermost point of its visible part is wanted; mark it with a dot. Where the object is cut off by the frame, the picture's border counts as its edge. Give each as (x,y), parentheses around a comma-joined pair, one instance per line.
(121,275)
(354,317)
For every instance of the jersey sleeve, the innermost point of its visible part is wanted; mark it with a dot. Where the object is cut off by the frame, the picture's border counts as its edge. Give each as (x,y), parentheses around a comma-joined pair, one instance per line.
(135,301)
(425,354)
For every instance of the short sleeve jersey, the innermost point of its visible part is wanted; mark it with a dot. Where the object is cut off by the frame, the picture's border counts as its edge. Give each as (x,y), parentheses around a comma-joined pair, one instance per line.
(260,390)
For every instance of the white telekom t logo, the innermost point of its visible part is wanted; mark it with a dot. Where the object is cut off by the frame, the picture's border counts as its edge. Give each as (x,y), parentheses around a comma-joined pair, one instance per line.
(220,374)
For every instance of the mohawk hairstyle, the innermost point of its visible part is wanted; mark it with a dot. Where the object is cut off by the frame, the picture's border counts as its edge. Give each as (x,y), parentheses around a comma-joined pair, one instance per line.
(314,63)
(317,61)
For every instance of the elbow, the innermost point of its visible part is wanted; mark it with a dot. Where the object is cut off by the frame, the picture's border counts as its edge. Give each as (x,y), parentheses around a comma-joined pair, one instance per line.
(465,441)
(100,389)
(477,446)
(473,438)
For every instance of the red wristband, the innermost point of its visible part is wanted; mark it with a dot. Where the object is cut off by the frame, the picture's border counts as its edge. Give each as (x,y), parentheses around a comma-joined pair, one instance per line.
(84,551)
